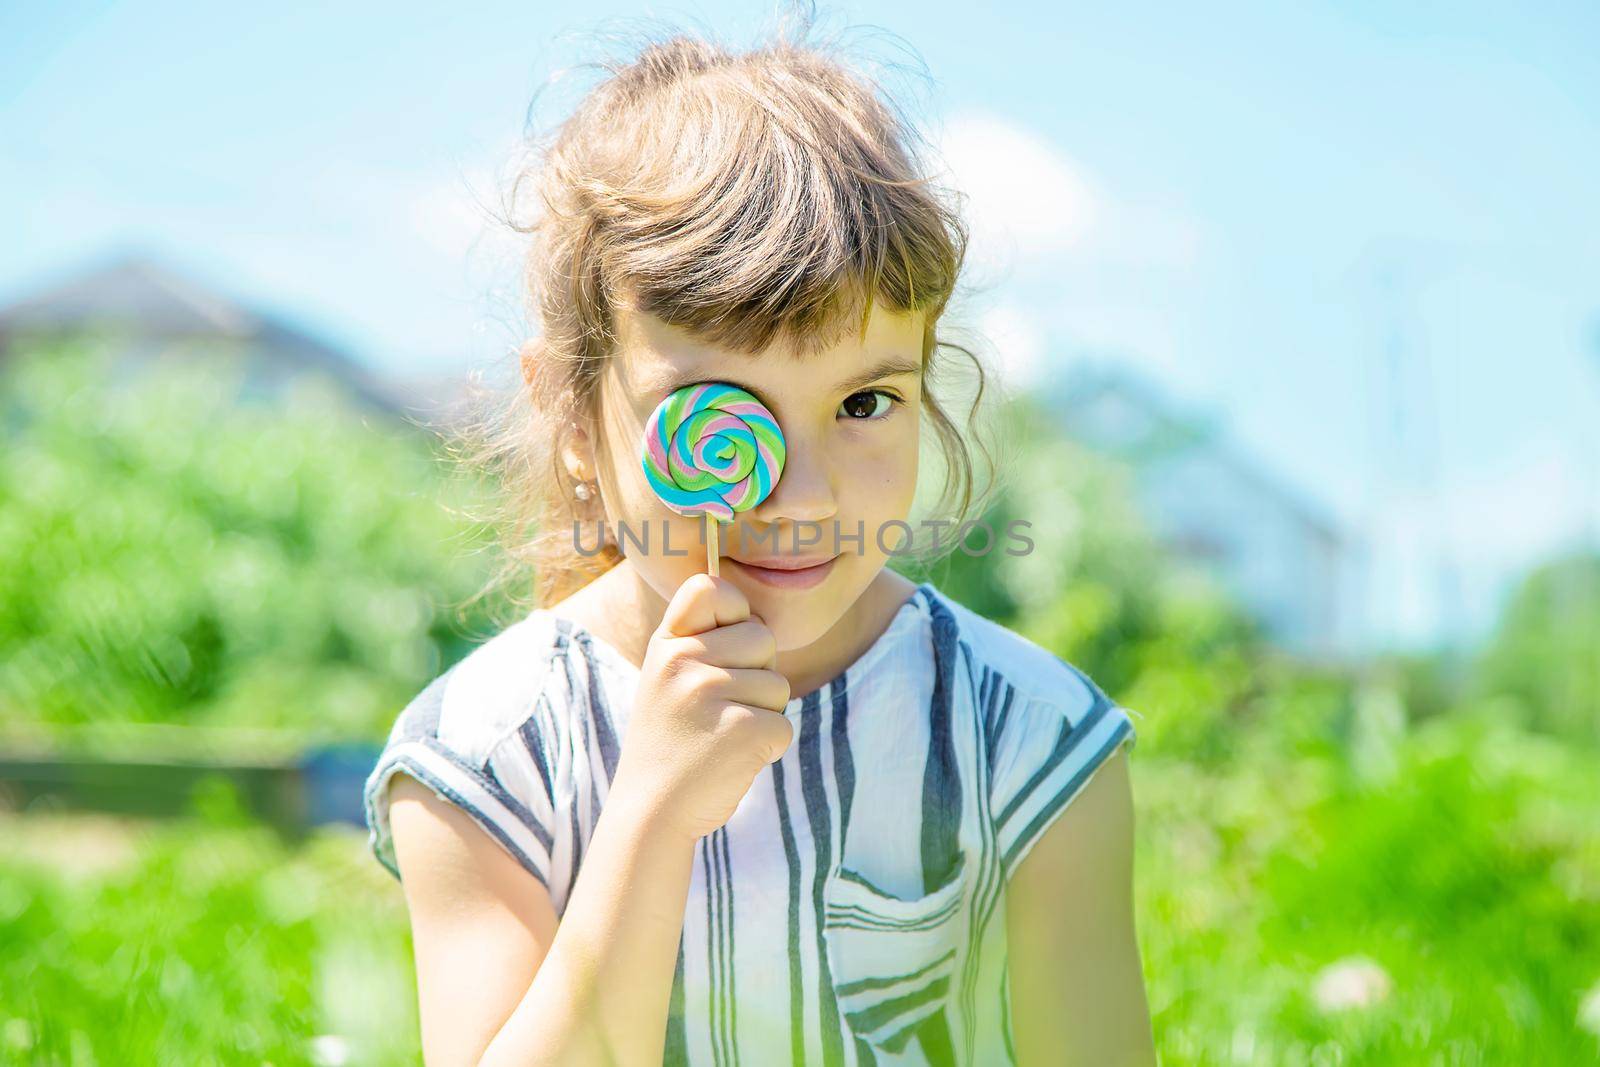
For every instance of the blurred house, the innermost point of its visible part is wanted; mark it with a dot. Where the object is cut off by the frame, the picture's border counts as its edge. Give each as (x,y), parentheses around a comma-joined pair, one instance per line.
(155,314)
(1287,563)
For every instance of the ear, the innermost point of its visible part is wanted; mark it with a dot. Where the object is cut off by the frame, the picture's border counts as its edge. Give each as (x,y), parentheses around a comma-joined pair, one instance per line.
(528,358)
(577,453)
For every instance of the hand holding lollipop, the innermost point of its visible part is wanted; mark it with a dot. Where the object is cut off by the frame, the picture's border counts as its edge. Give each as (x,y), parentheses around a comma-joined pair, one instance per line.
(712,449)
(698,737)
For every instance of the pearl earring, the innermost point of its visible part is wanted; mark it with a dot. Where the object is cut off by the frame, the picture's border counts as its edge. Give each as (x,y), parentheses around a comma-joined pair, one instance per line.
(583,492)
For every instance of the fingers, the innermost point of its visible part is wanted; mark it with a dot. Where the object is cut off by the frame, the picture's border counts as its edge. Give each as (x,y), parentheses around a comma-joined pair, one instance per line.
(771,733)
(704,603)
(744,644)
(709,638)
(758,688)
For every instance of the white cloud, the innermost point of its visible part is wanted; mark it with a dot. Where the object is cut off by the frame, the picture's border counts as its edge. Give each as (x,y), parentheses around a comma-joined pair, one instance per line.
(1026,201)
(455,212)
(447,215)
(1059,259)
(1016,342)
(1031,205)
(458,217)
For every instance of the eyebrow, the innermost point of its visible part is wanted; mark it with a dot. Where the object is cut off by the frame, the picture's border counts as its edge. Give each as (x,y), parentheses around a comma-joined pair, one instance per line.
(892,367)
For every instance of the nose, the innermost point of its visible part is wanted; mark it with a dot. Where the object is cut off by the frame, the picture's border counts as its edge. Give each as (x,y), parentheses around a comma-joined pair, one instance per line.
(805,490)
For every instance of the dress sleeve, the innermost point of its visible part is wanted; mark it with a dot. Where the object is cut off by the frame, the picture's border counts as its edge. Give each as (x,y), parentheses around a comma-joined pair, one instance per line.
(506,791)
(1044,749)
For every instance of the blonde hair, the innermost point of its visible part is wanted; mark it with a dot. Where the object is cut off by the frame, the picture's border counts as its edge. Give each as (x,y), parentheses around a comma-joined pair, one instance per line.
(770,196)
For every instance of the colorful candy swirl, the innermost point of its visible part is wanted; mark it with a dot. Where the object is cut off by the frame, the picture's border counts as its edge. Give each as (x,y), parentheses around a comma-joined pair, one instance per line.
(712,449)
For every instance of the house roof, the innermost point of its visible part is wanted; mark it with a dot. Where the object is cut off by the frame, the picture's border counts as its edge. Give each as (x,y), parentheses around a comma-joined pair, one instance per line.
(1175,430)
(133,292)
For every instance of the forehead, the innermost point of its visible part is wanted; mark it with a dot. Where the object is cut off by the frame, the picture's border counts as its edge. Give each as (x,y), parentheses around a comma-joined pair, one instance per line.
(653,357)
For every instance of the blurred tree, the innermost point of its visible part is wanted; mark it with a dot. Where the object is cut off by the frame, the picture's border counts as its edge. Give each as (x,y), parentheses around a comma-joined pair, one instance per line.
(1545,652)
(176,554)
(1095,587)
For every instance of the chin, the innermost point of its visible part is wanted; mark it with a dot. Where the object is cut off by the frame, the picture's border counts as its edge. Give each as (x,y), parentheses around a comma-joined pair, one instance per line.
(798,618)
(797,629)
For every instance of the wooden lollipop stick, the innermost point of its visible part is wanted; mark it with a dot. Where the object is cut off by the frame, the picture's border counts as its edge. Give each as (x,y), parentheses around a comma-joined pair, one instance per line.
(713,552)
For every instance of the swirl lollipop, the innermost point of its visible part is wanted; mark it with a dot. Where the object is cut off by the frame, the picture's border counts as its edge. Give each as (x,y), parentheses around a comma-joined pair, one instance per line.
(712,449)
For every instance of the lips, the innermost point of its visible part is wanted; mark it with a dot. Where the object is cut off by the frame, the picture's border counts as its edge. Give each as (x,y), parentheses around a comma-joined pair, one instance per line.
(786,572)
(785,563)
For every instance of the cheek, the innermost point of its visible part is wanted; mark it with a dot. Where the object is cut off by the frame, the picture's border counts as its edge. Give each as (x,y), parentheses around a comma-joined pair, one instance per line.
(664,547)
(628,496)
(882,478)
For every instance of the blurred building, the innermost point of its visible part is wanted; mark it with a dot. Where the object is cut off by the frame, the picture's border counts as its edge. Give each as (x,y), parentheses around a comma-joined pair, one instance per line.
(1208,503)
(153,313)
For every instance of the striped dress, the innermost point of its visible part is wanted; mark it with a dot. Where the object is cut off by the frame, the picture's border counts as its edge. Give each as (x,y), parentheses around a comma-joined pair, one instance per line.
(852,910)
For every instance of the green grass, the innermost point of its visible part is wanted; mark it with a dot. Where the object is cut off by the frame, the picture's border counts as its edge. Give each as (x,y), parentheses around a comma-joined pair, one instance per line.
(196,942)
(1470,873)
(1468,868)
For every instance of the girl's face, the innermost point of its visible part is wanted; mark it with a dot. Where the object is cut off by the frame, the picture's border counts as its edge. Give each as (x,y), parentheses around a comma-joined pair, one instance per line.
(850,417)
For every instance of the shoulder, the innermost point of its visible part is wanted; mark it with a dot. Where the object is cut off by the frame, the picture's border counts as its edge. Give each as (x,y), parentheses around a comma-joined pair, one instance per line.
(486,696)
(1047,730)
(1033,673)
(485,736)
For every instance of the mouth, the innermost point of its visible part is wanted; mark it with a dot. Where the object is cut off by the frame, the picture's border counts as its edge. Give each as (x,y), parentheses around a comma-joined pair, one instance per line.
(785,572)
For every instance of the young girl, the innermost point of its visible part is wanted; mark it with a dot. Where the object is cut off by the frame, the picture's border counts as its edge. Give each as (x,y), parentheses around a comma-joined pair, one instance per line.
(805,812)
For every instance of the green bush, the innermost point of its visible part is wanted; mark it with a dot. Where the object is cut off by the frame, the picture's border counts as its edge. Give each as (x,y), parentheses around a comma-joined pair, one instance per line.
(177,552)
(1544,656)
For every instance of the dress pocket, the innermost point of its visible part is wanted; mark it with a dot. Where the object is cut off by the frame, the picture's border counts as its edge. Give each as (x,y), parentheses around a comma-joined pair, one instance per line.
(893,958)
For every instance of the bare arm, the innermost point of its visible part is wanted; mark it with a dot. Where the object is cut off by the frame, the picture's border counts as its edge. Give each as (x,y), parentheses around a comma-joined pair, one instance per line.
(499,980)
(1077,986)
(480,924)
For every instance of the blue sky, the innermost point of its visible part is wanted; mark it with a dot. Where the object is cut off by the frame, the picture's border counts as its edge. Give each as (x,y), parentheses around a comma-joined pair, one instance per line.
(1214,193)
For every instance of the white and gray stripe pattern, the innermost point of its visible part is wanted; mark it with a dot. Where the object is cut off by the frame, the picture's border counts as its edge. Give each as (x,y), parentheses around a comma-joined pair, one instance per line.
(852,911)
